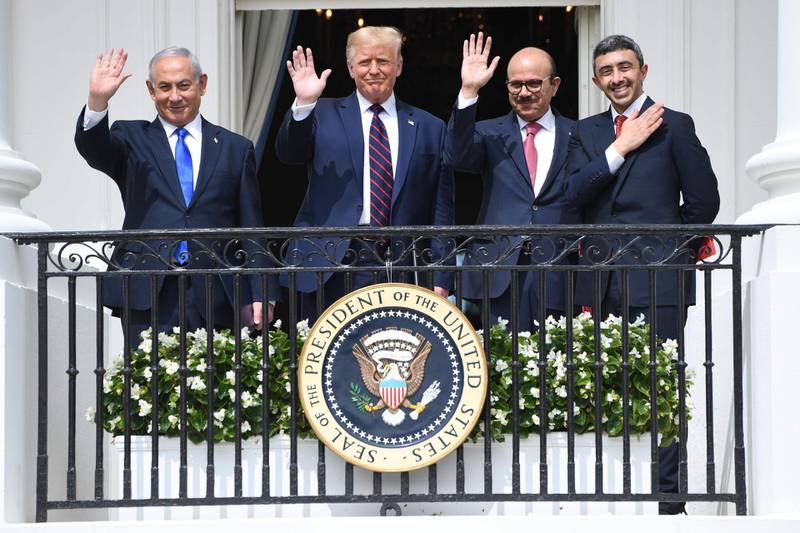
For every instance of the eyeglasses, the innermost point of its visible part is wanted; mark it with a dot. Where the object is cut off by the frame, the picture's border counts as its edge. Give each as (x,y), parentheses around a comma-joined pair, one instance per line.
(533,86)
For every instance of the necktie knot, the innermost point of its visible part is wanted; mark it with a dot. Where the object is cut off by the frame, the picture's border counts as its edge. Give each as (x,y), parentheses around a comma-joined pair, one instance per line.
(376,108)
(181,133)
(618,124)
(533,128)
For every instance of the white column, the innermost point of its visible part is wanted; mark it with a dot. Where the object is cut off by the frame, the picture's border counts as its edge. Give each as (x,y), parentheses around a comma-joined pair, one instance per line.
(777,167)
(18,177)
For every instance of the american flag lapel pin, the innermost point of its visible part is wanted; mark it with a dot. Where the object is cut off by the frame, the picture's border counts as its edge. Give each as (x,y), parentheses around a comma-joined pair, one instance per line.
(215,140)
(410,122)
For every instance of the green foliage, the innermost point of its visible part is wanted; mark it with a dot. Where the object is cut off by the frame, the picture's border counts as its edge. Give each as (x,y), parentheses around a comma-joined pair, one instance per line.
(609,373)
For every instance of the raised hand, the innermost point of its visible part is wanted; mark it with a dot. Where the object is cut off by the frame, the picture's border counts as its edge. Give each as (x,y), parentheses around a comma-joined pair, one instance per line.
(106,78)
(308,86)
(476,71)
(638,128)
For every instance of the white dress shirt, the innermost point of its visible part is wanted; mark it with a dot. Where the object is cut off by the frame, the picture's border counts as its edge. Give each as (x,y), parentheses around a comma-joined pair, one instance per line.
(544,141)
(614,159)
(194,139)
(389,118)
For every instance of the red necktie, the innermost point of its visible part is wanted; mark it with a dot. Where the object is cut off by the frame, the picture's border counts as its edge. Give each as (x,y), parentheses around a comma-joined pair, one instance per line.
(531,156)
(618,124)
(380,171)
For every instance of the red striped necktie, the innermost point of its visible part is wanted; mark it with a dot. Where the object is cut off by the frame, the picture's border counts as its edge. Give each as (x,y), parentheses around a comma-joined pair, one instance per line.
(380,171)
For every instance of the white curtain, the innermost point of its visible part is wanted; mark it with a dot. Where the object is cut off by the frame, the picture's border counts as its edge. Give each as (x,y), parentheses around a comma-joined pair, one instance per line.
(263,41)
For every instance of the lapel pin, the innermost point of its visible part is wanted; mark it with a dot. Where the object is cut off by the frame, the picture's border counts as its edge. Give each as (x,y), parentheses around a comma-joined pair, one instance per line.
(215,140)
(411,122)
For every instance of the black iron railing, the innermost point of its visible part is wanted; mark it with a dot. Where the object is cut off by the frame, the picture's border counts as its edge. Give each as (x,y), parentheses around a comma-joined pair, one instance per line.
(412,254)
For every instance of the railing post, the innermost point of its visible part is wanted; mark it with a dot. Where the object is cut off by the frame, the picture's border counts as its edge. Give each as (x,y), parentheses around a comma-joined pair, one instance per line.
(41,457)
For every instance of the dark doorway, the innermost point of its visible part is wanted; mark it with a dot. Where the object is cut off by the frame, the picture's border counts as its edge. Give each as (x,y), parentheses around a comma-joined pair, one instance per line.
(431,79)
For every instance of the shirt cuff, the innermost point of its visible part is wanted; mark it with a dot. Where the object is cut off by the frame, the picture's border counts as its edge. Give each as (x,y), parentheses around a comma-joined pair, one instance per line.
(465,102)
(301,112)
(93,118)
(614,159)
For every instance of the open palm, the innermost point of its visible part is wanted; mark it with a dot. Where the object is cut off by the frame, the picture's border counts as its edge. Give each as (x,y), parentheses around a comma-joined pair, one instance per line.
(107,76)
(476,71)
(308,86)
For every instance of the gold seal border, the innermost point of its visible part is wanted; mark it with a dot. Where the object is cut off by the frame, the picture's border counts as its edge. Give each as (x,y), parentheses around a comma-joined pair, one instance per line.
(362,453)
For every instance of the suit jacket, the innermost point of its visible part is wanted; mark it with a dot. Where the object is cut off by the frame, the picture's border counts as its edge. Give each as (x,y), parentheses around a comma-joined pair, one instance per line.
(494,148)
(136,155)
(671,164)
(330,143)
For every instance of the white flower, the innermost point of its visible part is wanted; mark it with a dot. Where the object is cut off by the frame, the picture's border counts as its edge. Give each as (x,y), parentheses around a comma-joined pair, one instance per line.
(534,392)
(147,373)
(232,395)
(90,414)
(196,383)
(246,426)
(171,367)
(277,324)
(144,408)
(522,403)
(561,391)
(167,341)
(260,389)
(535,419)
(146,345)
(107,384)
(201,366)
(230,375)
(502,323)
(219,416)
(173,420)
(245,332)
(220,339)
(288,386)
(303,329)
(260,375)
(247,399)
(500,365)
(135,391)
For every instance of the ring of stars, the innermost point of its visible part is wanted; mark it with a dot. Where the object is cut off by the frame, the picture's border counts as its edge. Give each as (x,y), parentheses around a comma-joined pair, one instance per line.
(417,435)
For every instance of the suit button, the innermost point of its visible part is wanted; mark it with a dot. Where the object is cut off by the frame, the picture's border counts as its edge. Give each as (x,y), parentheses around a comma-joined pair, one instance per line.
(535,207)
(188,215)
(614,214)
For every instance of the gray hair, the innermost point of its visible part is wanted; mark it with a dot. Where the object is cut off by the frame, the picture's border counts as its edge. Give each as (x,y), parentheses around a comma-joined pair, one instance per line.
(176,51)
(612,43)
(371,35)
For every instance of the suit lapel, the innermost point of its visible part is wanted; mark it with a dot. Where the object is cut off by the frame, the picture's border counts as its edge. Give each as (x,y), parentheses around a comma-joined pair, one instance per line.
(211,146)
(157,139)
(350,114)
(625,169)
(559,154)
(512,139)
(407,133)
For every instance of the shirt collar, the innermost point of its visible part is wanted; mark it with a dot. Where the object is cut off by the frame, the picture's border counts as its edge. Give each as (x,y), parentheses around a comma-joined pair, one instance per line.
(547,121)
(635,106)
(389,106)
(194,128)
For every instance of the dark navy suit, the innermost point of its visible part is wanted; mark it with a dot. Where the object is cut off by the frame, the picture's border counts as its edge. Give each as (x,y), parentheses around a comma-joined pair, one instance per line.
(667,180)
(137,156)
(494,148)
(330,143)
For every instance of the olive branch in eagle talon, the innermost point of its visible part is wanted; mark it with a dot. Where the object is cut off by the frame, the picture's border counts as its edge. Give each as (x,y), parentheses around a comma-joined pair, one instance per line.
(392,363)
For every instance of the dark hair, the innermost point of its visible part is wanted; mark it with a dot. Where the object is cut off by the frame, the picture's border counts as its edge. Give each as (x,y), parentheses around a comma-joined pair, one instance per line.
(612,43)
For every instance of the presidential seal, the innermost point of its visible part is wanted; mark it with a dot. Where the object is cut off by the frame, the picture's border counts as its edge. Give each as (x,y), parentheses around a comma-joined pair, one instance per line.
(392,377)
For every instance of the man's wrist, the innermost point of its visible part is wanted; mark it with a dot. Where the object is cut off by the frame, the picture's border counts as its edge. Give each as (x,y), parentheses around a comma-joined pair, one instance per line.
(469,92)
(97,104)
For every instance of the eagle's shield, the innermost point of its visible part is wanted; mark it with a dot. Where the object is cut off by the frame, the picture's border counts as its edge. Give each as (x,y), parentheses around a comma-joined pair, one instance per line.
(393,392)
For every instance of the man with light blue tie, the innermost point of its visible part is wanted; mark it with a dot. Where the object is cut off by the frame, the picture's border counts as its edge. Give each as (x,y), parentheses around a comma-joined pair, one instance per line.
(177,172)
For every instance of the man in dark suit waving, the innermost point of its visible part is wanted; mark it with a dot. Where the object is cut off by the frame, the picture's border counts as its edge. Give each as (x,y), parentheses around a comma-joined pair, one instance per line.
(178,171)
(520,157)
(639,163)
(372,160)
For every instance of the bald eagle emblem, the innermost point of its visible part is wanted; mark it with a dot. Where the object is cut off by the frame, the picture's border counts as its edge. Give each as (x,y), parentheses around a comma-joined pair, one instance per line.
(392,363)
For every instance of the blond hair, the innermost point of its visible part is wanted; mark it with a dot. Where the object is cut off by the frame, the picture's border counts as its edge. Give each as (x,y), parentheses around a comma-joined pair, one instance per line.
(370,35)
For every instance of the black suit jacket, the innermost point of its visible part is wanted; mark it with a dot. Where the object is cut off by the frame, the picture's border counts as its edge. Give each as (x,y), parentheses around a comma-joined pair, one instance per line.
(494,149)
(136,155)
(667,180)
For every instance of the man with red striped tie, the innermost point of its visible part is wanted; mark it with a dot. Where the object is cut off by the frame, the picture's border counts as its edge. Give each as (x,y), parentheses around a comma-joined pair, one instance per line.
(372,160)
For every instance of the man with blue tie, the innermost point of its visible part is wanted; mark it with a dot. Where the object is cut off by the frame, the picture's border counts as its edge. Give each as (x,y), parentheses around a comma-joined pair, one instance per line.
(177,172)
(639,163)
(520,157)
(372,160)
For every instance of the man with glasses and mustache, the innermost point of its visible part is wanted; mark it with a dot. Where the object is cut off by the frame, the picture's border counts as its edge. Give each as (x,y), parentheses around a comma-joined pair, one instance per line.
(521,158)
(639,163)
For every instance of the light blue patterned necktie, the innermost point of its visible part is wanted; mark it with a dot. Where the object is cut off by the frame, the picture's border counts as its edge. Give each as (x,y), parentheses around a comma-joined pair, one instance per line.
(183,163)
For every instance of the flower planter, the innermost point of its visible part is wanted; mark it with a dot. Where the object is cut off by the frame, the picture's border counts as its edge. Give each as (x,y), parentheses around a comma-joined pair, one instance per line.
(169,462)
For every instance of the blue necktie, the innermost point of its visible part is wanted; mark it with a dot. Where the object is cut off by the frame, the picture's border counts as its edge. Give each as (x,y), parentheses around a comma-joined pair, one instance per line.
(380,171)
(183,163)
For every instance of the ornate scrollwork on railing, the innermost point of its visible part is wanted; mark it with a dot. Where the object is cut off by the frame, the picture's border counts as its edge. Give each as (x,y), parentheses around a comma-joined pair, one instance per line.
(424,249)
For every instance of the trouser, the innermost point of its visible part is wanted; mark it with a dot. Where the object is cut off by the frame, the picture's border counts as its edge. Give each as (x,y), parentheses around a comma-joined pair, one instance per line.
(666,328)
